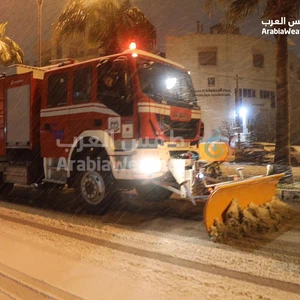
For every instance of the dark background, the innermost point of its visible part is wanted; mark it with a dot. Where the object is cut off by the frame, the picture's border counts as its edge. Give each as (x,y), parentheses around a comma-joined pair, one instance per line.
(170,17)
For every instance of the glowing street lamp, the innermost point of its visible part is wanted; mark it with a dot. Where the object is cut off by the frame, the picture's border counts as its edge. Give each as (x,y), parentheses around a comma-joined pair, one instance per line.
(39,5)
(243,112)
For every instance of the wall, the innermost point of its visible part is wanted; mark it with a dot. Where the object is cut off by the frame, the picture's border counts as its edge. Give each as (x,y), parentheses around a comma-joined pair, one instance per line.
(234,56)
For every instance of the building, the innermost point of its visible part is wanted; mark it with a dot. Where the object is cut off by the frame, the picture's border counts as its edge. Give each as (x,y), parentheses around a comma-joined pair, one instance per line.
(221,62)
(77,49)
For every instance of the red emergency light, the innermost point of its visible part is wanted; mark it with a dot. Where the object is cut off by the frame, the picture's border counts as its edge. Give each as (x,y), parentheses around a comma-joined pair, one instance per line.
(132,46)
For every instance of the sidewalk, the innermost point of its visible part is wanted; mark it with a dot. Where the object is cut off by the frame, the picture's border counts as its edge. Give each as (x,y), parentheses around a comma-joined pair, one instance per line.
(286,192)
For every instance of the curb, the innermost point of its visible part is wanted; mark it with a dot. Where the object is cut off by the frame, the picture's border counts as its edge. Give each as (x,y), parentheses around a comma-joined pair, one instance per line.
(288,195)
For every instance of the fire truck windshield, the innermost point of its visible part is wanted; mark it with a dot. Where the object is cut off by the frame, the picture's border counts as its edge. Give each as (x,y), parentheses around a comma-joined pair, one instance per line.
(166,84)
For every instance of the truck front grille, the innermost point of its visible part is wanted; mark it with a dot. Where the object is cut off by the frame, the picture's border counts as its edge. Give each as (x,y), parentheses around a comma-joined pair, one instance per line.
(185,130)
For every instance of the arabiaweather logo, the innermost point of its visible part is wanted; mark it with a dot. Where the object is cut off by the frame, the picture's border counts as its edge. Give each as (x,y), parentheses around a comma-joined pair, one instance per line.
(281,26)
(216,148)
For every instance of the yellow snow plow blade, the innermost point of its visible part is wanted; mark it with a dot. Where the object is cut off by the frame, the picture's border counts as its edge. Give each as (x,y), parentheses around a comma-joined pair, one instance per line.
(259,190)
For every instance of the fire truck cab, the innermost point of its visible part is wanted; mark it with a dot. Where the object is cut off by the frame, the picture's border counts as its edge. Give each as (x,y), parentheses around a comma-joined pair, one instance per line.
(116,122)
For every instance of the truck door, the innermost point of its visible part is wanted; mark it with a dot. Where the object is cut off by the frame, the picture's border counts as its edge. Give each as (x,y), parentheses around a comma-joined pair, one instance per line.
(55,137)
(115,91)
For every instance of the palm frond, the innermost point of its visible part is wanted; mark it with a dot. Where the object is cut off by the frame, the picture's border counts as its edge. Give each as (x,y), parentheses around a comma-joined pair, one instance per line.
(5,54)
(10,51)
(141,29)
(288,9)
(240,9)
(211,6)
(106,23)
(73,20)
(2,29)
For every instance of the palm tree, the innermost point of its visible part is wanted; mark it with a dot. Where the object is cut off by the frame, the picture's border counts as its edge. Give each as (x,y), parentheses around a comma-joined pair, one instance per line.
(273,9)
(109,24)
(10,52)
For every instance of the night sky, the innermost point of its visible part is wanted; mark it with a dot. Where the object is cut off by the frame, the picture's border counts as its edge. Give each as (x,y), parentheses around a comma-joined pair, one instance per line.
(170,17)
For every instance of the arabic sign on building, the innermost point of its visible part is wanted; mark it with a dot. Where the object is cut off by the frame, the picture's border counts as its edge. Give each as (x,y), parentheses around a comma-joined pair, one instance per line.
(209,92)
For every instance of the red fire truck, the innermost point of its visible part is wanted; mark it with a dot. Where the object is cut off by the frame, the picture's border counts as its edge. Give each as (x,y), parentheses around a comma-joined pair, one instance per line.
(125,121)
(99,126)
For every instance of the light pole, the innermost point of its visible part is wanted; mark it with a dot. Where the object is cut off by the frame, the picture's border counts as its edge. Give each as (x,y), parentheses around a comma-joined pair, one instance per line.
(237,109)
(39,4)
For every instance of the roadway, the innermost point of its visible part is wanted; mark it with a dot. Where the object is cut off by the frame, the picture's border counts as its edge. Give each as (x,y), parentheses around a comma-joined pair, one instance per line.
(137,251)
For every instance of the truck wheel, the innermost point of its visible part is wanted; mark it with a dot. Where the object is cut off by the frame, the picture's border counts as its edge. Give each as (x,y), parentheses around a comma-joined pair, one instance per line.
(294,162)
(152,192)
(94,190)
(5,188)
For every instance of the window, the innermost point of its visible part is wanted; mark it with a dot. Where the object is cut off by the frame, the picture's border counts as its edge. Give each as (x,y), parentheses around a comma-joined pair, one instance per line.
(82,85)
(266,94)
(240,93)
(248,93)
(273,102)
(57,89)
(211,81)
(258,60)
(208,58)
(165,84)
(114,87)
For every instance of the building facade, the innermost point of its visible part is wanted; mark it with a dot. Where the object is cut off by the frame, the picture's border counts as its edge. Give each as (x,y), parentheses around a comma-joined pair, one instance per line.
(220,64)
(77,49)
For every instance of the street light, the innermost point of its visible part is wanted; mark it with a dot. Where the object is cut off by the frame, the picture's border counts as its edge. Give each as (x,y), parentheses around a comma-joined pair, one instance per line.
(39,5)
(237,109)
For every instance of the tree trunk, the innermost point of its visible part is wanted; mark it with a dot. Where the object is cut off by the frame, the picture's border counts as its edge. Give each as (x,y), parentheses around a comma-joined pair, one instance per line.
(282,151)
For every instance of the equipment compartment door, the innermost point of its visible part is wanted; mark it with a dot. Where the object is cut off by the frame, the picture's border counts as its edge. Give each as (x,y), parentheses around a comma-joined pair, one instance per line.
(18,117)
(17,106)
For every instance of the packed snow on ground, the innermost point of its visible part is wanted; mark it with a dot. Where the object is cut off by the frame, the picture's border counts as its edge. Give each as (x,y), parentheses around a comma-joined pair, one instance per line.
(252,220)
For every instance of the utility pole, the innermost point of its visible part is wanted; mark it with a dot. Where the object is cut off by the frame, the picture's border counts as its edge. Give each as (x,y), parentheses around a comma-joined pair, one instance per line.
(237,109)
(39,5)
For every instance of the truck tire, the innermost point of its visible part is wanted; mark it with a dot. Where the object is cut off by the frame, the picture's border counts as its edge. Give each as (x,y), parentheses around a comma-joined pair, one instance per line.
(5,188)
(294,162)
(95,191)
(152,192)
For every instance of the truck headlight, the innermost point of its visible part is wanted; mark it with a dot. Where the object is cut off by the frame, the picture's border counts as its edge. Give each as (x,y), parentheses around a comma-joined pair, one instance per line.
(149,165)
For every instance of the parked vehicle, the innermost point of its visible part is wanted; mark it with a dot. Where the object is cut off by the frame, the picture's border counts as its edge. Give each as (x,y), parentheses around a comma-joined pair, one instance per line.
(295,155)
(264,153)
(253,152)
(270,149)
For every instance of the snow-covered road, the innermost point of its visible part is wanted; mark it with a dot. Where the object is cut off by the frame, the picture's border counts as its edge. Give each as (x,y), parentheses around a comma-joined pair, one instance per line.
(155,251)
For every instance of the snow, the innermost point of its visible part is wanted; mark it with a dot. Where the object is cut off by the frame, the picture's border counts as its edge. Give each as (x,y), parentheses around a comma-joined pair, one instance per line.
(95,272)
(252,220)
(141,262)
